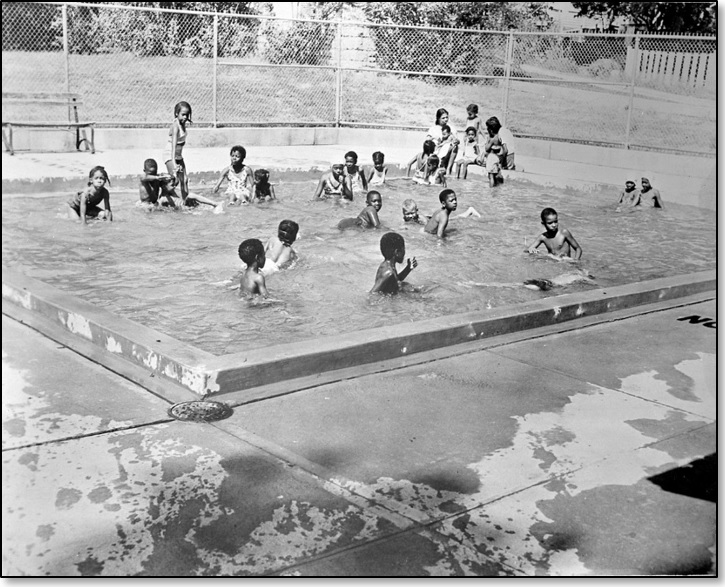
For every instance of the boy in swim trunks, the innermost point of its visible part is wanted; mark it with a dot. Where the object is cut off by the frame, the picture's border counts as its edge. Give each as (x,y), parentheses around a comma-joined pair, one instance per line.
(387,279)
(278,250)
(152,185)
(368,218)
(333,183)
(559,243)
(251,251)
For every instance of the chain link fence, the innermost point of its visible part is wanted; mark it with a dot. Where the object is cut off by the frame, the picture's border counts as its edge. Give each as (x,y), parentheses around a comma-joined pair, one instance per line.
(131,65)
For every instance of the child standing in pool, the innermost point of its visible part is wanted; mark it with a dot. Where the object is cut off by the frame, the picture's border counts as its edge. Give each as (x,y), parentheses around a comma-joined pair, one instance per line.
(493,166)
(377,175)
(358,183)
(368,218)
(251,251)
(278,250)
(85,203)
(152,186)
(439,221)
(262,190)
(239,177)
(175,163)
(387,278)
(333,183)
(558,242)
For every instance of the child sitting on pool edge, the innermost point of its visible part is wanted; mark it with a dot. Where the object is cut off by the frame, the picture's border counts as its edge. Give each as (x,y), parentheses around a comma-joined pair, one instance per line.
(368,218)
(559,243)
(251,284)
(278,251)
(152,185)
(387,278)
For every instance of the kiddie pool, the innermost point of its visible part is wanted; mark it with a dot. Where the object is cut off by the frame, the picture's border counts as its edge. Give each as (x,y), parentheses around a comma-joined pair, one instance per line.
(173,272)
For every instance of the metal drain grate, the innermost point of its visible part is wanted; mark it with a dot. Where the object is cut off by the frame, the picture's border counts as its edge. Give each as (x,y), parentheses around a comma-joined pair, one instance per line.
(200,411)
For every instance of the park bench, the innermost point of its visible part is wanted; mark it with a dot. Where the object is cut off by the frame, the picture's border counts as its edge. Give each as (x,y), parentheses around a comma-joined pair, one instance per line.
(30,102)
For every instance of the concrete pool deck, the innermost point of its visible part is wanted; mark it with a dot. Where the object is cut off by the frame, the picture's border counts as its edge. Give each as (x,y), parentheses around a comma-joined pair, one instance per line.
(579,447)
(589,453)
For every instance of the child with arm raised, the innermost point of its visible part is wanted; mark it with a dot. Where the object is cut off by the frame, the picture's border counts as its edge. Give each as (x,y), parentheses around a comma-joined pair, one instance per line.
(153,185)
(333,183)
(387,278)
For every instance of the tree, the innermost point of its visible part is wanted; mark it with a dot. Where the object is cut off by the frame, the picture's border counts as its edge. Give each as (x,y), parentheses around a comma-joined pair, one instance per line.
(673,17)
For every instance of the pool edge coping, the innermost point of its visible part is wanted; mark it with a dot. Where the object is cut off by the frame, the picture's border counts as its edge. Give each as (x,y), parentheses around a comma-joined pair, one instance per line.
(206,374)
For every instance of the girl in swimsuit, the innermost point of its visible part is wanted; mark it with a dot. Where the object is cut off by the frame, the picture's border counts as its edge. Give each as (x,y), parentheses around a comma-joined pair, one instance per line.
(333,183)
(175,163)
(239,177)
(377,175)
(421,161)
(84,204)
(358,183)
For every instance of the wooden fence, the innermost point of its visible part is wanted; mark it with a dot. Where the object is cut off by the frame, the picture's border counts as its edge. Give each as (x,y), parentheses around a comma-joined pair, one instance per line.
(696,70)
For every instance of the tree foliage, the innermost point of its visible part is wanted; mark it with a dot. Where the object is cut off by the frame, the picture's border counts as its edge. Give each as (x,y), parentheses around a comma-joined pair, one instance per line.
(673,17)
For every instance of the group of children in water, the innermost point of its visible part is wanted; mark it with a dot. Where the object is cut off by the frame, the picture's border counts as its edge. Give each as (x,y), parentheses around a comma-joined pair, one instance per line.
(346,180)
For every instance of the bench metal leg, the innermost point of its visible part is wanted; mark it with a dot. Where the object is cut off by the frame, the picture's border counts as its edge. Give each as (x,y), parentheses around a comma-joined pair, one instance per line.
(8,140)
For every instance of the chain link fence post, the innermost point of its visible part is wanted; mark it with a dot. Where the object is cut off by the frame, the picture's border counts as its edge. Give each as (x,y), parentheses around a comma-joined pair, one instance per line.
(215,58)
(632,84)
(338,78)
(507,77)
(66,59)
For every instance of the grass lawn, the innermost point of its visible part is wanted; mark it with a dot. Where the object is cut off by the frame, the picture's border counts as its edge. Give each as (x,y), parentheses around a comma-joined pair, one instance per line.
(122,88)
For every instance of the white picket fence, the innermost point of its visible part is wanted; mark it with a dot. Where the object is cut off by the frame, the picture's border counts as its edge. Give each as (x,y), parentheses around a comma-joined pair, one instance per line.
(696,70)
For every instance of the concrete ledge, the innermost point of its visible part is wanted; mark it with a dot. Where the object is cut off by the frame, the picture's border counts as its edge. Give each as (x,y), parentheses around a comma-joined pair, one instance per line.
(206,374)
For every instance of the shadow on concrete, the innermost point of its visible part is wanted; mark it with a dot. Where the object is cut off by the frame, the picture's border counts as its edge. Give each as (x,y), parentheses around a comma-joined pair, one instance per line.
(697,479)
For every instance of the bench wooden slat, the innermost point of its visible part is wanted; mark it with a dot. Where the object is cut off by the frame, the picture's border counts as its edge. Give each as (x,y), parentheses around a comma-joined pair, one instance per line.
(64,98)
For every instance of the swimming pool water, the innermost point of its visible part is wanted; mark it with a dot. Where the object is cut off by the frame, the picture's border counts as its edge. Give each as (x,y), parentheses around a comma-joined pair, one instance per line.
(172,271)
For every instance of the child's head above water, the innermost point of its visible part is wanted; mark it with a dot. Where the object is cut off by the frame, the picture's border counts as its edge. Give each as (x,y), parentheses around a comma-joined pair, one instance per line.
(337,168)
(287,232)
(350,158)
(261,176)
(241,153)
(392,243)
(428,147)
(546,212)
(374,199)
(150,166)
(448,199)
(251,250)
(98,169)
(433,162)
(378,159)
(410,210)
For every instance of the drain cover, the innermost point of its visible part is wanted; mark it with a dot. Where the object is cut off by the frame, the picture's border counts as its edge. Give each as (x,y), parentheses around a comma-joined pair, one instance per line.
(200,411)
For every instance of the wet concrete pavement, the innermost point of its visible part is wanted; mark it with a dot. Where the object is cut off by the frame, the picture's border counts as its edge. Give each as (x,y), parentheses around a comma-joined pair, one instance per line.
(589,452)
